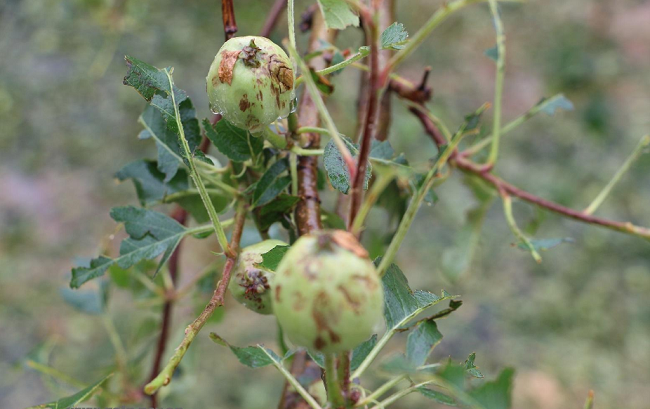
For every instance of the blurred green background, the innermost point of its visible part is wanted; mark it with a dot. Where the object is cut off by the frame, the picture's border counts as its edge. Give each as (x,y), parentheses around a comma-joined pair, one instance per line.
(579,320)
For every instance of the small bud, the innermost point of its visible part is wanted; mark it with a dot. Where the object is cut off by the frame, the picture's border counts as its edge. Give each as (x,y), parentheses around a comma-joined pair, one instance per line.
(327,295)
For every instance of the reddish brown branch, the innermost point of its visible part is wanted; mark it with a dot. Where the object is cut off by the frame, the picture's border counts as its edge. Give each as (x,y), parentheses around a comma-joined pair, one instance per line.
(229,23)
(273,17)
(499,184)
(369,126)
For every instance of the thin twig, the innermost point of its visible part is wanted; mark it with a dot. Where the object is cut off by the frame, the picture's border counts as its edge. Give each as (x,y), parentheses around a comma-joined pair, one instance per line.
(369,126)
(165,376)
(272,19)
(498,82)
(460,161)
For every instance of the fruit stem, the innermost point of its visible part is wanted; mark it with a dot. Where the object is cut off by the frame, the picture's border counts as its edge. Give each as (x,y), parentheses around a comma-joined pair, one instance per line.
(334,396)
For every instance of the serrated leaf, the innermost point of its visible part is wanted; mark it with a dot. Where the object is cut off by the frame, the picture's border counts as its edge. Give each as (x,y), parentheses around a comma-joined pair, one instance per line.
(496,394)
(472,369)
(145,78)
(192,202)
(169,151)
(393,36)
(149,181)
(151,234)
(253,356)
(545,244)
(338,14)
(277,210)
(271,259)
(271,184)
(237,144)
(73,400)
(421,342)
(337,170)
(437,396)
(401,304)
(552,105)
(454,374)
(361,352)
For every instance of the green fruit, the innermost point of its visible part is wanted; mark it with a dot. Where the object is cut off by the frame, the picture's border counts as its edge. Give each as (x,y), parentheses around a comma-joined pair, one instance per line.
(249,284)
(250,82)
(327,295)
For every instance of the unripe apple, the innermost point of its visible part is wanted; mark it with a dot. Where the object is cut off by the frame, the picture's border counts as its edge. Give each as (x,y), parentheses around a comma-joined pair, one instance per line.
(250,82)
(249,284)
(327,295)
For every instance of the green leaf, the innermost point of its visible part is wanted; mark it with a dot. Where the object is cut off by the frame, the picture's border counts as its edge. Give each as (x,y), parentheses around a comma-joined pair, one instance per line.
(169,150)
(545,244)
(237,144)
(271,184)
(401,304)
(393,36)
(253,356)
(471,368)
(496,394)
(492,53)
(277,210)
(361,352)
(552,105)
(89,302)
(191,201)
(146,79)
(149,181)
(454,374)
(381,150)
(336,168)
(73,400)
(271,259)
(338,14)
(437,396)
(151,234)
(421,342)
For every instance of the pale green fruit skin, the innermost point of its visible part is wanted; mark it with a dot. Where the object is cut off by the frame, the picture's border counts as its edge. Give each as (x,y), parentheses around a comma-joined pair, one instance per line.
(250,285)
(256,96)
(326,297)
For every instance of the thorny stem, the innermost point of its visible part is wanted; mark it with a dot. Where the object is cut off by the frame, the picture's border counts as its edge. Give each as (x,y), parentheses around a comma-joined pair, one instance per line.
(165,376)
(207,202)
(375,85)
(643,143)
(498,83)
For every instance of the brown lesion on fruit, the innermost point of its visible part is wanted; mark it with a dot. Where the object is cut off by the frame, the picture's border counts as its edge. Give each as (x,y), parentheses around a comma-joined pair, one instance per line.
(278,288)
(226,66)
(281,74)
(244,104)
(321,315)
(355,303)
